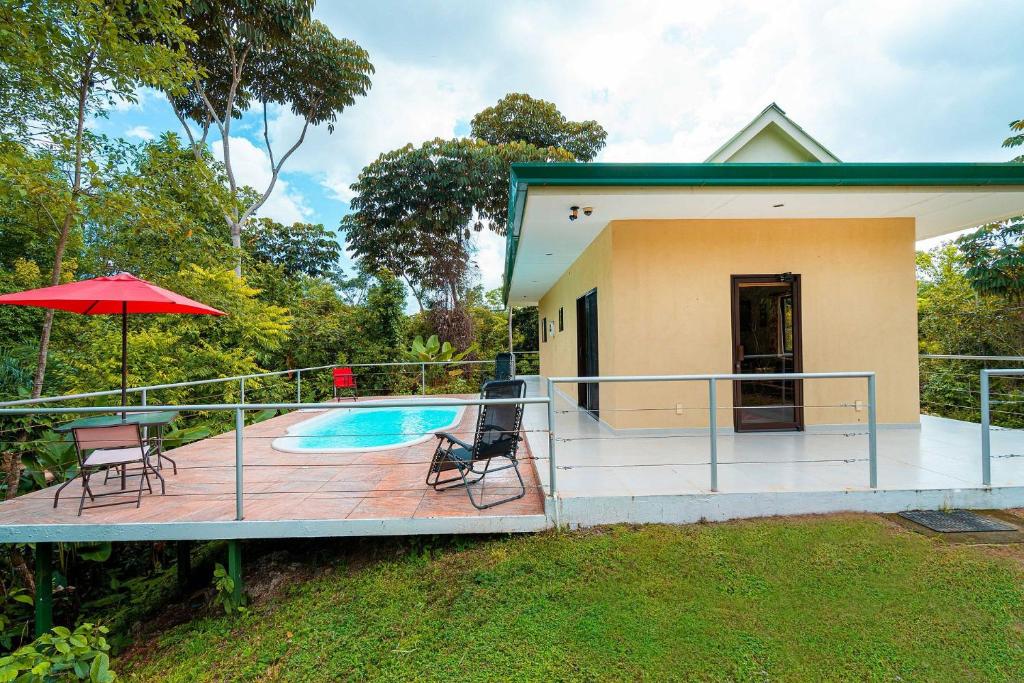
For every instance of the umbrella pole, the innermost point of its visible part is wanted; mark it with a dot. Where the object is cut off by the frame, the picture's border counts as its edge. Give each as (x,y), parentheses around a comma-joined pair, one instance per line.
(124,358)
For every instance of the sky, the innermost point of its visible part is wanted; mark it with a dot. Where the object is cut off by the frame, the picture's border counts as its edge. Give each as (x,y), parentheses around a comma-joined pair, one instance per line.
(872,80)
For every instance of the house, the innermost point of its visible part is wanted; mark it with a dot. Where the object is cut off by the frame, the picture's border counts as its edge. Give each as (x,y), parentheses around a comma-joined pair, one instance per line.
(772,256)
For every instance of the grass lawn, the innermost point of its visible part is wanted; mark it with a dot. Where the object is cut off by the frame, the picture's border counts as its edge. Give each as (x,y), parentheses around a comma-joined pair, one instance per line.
(830,598)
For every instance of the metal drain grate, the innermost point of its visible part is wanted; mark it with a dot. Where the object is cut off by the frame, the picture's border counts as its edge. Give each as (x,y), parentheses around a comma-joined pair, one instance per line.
(956,521)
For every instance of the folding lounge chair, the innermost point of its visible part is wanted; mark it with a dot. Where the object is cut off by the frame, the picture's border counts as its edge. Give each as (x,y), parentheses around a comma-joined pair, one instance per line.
(496,436)
(100,449)
(504,366)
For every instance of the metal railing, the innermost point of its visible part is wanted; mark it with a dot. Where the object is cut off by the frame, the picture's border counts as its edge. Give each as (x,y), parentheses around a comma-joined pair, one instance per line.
(241,379)
(240,409)
(713,409)
(986,417)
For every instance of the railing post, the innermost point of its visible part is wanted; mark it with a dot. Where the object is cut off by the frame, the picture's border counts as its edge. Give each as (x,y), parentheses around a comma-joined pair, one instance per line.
(145,430)
(241,390)
(298,386)
(239,439)
(552,470)
(713,429)
(872,433)
(423,379)
(986,443)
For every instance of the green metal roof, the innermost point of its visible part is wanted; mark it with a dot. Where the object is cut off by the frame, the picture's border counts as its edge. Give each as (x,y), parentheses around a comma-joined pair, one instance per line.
(523,175)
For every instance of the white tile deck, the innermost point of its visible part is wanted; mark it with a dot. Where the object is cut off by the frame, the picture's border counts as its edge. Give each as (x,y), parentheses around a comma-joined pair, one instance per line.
(594,461)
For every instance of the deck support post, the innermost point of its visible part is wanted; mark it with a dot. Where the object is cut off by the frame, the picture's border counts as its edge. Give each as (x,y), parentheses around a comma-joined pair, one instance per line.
(235,568)
(44,588)
(184,564)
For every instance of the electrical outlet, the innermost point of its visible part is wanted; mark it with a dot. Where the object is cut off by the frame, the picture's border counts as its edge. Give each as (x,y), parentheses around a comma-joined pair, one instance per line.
(679,409)
(858,405)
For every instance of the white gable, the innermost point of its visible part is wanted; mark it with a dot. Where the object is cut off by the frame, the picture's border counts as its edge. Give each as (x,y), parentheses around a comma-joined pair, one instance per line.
(772,137)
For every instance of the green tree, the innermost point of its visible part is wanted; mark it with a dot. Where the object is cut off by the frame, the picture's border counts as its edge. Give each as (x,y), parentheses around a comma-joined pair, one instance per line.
(955,318)
(300,248)
(156,212)
(382,320)
(416,209)
(92,54)
(994,258)
(270,53)
(994,253)
(517,117)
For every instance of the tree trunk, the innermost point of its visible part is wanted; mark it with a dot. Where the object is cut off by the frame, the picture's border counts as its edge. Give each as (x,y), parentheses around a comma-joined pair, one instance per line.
(58,267)
(236,242)
(84,86)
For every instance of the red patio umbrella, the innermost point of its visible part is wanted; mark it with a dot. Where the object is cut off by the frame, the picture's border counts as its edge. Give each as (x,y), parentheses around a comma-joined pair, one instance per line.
(117,294)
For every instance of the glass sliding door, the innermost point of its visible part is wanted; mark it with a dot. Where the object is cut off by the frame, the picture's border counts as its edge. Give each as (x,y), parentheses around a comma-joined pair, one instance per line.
(766,340)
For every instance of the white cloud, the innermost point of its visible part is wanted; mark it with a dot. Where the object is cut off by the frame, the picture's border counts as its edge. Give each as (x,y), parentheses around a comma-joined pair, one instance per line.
(138,101)
(407,103)
(252,167)
(489,258)
(873,80)
(140,133)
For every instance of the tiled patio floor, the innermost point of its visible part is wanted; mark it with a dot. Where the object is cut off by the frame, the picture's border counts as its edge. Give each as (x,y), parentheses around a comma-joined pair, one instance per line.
(279,486)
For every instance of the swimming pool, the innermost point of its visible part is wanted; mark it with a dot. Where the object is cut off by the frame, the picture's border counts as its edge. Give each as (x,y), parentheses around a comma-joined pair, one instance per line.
(347,430)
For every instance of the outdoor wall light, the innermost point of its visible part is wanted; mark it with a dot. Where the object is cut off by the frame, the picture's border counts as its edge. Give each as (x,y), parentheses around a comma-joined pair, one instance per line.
(574,212)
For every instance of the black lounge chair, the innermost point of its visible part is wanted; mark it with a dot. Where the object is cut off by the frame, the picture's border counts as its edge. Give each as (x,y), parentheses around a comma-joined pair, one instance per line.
(504,367)
(497,436)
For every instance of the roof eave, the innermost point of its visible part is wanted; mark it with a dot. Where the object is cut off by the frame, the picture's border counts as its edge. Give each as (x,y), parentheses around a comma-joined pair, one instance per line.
(810,174)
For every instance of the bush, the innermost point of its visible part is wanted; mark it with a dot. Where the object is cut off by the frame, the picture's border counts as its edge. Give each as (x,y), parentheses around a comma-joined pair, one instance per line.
(81,655)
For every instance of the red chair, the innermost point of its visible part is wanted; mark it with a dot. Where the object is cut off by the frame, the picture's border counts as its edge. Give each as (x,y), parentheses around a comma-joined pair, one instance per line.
(344,379)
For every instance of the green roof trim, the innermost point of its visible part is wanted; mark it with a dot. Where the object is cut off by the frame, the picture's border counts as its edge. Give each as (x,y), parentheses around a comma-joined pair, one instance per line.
(523,175)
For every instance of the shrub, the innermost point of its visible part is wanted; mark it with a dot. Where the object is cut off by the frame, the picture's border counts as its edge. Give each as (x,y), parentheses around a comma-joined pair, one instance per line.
(81,655)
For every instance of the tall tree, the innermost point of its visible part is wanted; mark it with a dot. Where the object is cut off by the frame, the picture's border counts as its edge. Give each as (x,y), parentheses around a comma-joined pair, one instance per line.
(77,58)
(994,253)
(416,209)
(265,53)
(298,249)
(517,117)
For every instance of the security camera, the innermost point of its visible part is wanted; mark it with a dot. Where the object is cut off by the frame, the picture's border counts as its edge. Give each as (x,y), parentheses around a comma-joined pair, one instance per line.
(574,212)
(587,210)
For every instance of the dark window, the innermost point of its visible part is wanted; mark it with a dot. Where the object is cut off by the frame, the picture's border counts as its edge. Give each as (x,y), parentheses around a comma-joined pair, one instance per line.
(544,330)
(561,319)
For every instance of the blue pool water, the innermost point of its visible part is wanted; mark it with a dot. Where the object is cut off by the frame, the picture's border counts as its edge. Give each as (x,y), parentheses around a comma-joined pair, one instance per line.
(338,431)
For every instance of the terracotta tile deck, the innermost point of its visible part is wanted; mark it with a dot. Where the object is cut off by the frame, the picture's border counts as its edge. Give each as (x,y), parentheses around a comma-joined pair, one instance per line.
(279,486)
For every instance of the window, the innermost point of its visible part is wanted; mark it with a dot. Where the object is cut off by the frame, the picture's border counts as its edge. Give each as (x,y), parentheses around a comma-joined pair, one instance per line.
(544,330)
(561,319)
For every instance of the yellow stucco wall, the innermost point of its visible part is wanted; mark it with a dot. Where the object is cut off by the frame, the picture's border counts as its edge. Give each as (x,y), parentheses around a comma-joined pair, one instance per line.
(593,269)
(664,305)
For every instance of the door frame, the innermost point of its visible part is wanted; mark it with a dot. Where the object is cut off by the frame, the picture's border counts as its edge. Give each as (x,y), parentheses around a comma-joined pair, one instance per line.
(798,360)
(586,392)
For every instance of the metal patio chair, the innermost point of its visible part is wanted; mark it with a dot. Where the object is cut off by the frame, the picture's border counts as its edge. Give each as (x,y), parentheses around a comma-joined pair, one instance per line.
(101,449)
(344,379)
(496,436)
